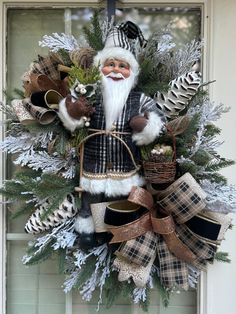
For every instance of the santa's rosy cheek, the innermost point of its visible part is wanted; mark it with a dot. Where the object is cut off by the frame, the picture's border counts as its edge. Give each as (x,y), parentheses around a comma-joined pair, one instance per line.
(106,70)
(125,72)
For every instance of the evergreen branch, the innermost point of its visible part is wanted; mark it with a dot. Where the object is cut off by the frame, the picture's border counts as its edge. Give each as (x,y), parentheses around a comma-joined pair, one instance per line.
(65,56)
(39,256)
(145,304)
(85,76)
(218,165)
(112,289)
(61,260)
(164,293)
(222,257)
(150,79)
(21,186)
(22,209)
(213,177)
(54,189)
(86,271)
(93,33)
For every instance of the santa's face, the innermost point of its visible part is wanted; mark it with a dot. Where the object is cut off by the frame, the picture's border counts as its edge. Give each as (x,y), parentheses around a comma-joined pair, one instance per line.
(117,82)
(116,69)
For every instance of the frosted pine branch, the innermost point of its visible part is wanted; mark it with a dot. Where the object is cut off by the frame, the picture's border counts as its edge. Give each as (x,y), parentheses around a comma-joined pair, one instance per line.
(44,241)
(71,281)
(165,44)
(221,198)
(193,275)
(104,275)
(183,59)
(139,295)
(106,27)
(25,141)
(41,161)
(183,160)
(210,144)
(159,51)
(56,42)
(210,112)
(95,280)
(65,237)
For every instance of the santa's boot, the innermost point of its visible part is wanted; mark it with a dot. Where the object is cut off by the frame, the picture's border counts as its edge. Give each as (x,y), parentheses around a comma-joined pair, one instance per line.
(84,224)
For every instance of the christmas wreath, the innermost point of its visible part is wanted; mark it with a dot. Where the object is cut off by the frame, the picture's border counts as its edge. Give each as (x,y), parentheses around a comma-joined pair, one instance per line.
(170,224)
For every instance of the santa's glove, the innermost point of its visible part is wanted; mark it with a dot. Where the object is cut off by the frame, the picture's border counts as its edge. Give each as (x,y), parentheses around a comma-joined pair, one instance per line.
(78,108)
(75,113)
(138,123)
(146,128)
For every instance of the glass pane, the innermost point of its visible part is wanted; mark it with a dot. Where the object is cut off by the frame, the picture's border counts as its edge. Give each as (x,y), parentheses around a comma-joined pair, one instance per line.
(34,289)
(25,29)
(184,23)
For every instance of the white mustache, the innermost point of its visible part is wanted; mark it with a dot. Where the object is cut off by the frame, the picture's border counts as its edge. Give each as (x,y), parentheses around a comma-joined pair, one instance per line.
(115,75)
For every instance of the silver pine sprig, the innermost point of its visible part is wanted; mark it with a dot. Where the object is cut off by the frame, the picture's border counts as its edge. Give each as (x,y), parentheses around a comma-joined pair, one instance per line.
(57,41)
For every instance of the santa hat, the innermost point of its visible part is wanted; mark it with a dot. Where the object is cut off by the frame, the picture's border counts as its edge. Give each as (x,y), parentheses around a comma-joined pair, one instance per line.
(120,45)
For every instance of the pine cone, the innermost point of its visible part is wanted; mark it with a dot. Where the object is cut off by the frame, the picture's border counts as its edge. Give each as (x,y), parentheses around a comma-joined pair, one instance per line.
(66,210)
(83,57)
(177,98)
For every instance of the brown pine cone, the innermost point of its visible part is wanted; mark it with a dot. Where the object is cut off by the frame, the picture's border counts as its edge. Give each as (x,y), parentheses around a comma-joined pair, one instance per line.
(83,57)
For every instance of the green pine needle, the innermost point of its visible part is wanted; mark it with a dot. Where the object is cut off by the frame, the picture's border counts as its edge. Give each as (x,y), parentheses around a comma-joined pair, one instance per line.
(222,257)
(112,289)
(145,304)
(84,76)
(61,260)
(86,271)
(93,33)
(41,256)
(164,294)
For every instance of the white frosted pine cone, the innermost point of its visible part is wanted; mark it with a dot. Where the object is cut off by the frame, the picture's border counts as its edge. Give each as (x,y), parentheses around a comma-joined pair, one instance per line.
(181,91)
(67,209)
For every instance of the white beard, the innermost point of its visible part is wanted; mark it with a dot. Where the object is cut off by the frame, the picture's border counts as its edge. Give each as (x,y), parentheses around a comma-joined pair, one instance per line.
(115,94)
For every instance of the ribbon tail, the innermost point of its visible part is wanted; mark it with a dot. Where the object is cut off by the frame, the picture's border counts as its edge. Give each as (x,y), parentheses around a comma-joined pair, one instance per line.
(173,272)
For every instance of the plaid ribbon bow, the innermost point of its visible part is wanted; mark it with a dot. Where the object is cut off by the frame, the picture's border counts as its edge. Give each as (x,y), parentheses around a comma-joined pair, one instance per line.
(165,230)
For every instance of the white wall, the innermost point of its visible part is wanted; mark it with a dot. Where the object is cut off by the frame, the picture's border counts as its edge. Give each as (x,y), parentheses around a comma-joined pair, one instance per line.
(221,278)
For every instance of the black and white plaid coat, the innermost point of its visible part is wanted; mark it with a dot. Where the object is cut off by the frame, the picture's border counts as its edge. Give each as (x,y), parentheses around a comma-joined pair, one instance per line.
(106,156)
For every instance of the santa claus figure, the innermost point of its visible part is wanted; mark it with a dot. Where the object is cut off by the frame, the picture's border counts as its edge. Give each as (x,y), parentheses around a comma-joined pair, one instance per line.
(122,122)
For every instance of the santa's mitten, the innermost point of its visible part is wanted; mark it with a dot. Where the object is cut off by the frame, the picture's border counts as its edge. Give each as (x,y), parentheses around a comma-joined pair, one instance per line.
(78,108)
(138,123)
(146,128)
(138,273)
(74,113)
